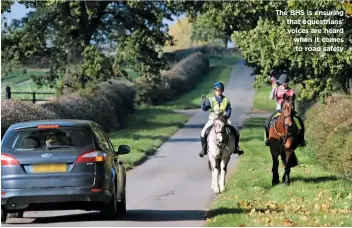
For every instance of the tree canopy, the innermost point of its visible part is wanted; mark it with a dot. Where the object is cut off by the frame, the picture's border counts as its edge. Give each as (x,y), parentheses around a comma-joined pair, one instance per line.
(268,47)
(73,35)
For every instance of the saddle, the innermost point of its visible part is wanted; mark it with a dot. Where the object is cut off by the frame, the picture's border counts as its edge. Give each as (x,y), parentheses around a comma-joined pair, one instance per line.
(296,125)
(229,130)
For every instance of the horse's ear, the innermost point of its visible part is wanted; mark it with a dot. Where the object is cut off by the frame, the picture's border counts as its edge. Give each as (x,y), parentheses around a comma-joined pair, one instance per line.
(291,98)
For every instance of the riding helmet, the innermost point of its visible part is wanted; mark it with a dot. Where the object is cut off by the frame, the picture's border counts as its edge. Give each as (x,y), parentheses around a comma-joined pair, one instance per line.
(219,85)
(284,79)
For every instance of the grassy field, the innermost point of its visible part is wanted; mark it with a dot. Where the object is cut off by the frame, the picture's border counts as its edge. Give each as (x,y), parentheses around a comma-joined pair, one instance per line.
(220,71)
(20,81)
(315,197)
(149,127)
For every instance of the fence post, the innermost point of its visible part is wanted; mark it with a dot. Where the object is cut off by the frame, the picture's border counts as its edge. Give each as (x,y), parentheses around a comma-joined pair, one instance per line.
(8,92)
(33,100)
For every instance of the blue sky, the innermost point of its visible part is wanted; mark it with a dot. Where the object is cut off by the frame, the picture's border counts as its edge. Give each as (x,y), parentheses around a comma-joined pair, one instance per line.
(17,12)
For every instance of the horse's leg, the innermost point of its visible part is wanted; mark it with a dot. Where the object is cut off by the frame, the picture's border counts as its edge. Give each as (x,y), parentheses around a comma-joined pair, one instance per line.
(212,166)
(286,177)
(223,166)
(216,169)
(275,168)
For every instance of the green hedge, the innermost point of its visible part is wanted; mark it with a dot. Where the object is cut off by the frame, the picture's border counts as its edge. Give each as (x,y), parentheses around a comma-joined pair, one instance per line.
(108,105)
(180,79)
(178,55)
(14,111)
(329,133)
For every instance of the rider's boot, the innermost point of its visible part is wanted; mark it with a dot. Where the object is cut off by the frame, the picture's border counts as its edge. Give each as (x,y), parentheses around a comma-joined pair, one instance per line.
(267,143)
(238,149)
(303,142)
(204,147)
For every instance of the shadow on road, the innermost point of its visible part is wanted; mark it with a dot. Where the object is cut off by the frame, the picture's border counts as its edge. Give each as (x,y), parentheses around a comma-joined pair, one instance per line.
(140,216)
(183,140)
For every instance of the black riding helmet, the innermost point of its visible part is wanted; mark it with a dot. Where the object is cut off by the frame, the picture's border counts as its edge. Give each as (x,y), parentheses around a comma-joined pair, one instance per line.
(284,79)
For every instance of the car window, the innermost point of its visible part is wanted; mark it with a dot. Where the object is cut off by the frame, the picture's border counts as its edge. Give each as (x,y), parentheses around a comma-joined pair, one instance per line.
(36,138)
(103,144)
(107,138)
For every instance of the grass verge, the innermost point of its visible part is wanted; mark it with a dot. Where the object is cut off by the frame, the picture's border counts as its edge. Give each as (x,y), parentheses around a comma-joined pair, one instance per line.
(220,71)
(261,100)
(149,127)
(147,130)
(315,198)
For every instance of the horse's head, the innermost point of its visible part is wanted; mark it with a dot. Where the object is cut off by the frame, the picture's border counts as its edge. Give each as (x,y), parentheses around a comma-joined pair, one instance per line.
(220,130)
(287,109)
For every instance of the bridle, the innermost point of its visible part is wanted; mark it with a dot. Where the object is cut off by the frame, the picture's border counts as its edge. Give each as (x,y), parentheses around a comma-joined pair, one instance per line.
(284,136)
(222,131)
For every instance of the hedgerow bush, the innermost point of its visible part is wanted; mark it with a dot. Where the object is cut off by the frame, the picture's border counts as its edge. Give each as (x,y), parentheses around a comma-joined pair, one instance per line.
(180,79)
(14,111)
(178,55)
(107,105)
(329,133)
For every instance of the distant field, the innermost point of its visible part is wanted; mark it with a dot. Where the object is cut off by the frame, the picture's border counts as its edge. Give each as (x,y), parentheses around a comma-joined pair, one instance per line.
(20,81)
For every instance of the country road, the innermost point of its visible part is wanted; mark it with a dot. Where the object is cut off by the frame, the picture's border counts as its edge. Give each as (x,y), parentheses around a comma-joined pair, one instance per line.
(172,188)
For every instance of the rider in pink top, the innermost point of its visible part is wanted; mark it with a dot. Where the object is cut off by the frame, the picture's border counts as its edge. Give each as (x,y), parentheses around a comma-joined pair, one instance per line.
(277,93)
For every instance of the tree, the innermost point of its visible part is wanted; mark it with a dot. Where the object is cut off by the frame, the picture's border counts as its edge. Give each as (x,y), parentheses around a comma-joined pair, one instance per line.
(73,31)
(218,20)
(269,47)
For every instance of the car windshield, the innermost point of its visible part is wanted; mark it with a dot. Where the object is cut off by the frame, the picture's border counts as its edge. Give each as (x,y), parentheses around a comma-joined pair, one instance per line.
(46,139)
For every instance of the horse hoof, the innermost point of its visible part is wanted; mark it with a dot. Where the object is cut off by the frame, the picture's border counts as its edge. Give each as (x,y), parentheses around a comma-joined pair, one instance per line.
(222,189)
(274,183)
(216,190)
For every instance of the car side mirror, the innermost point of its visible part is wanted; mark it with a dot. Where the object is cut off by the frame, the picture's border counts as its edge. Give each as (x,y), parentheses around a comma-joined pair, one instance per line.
(123,149)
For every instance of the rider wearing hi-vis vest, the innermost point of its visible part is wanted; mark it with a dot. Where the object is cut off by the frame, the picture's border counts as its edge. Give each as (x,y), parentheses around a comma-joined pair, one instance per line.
(216,105)
(216,109)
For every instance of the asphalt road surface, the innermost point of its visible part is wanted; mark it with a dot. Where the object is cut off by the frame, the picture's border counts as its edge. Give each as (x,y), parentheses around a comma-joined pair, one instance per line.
(172,188)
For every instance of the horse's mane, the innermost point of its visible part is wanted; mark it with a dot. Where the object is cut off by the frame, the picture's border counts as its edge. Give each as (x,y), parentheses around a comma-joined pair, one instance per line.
(222,119)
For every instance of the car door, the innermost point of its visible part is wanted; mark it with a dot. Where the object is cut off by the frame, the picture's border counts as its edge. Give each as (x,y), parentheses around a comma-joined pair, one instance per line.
(118,167)
(107,170)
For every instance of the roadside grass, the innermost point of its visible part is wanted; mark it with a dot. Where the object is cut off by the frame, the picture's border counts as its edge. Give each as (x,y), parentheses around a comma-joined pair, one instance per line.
(261,100)
(220,71)
(149,127)
(147,130)
(314,198)
(226,60)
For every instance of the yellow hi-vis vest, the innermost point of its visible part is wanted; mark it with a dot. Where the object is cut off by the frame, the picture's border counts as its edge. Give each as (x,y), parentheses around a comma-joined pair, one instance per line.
(215,108)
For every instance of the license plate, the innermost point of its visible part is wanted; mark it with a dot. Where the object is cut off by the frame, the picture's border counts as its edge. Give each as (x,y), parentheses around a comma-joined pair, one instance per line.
(49,168)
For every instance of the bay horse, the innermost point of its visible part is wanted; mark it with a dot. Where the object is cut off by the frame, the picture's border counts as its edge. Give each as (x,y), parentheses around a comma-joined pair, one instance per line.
(283,141)
(221,144)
